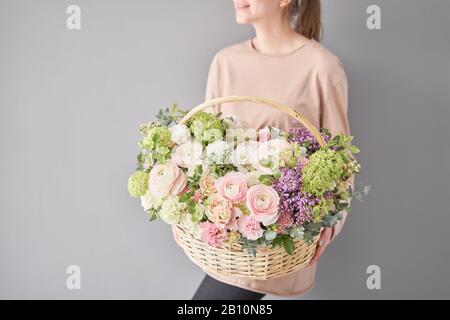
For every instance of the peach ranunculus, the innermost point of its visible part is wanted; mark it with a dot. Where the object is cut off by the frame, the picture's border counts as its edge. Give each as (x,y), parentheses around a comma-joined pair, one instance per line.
(219,210)
(236,214)
(188,154)
(166,179)
(262,202)
(232,186)
(207,184)
(250,228)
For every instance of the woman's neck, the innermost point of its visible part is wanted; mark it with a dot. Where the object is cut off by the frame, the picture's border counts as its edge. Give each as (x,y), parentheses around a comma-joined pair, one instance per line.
(276,38)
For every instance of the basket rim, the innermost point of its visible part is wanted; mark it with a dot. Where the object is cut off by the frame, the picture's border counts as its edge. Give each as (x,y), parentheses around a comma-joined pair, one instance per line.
(256,99)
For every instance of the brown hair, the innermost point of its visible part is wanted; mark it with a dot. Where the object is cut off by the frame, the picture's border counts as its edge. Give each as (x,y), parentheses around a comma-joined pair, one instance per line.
(306,17)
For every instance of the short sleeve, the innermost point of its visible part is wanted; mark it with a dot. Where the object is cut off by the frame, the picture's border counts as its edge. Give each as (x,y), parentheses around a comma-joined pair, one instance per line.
(334,117)
(212,84)
(334,108)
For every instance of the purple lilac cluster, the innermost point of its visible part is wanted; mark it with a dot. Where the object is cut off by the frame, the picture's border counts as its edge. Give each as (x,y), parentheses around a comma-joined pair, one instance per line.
(292,200)
(301,135)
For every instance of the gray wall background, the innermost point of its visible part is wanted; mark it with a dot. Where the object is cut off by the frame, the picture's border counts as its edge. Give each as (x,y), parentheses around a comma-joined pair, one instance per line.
(71,103)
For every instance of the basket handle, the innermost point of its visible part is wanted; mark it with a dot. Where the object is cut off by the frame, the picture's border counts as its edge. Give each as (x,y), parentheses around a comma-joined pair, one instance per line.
(299,117)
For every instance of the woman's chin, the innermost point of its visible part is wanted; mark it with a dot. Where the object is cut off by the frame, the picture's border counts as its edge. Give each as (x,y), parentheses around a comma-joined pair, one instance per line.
(242,20)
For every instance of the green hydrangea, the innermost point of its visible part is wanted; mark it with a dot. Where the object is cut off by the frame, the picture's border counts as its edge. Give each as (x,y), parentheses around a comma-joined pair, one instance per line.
(324,169)
(156,137)
(138,184)
(203,121)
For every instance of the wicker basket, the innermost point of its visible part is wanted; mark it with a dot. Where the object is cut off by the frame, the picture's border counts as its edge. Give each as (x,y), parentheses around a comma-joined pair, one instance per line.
(234,260)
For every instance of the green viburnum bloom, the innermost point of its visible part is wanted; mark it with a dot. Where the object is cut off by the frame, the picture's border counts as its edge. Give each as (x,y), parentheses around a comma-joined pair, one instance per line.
(203,121)
(156,137)
(212,135)
(145,127)
(323,171)
(289,156)
(138,184)
(322,208)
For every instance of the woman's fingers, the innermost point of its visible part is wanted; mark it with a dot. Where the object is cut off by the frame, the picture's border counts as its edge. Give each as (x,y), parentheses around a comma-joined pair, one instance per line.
(324,241)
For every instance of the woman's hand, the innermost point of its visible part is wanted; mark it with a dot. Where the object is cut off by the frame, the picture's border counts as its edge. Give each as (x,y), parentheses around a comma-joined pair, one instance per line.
(324,241)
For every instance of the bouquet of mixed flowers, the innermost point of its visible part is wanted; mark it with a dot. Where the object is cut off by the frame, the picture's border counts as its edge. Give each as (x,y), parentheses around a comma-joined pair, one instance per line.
(225,183)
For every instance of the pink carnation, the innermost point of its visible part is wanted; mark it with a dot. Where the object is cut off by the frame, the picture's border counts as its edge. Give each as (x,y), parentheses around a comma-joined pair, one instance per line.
(250,228)
(197,196)
(211,234)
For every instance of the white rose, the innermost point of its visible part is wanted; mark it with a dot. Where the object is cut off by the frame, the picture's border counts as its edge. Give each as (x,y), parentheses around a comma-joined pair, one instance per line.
(188,154)
(187,223)
(218,151)
(252,177)
(272,148)
(240,135)
(234,122)
(245,153)
(179,133)
(150,202)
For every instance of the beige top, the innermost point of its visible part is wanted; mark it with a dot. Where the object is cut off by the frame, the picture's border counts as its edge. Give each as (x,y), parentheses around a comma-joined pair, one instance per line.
(312,81)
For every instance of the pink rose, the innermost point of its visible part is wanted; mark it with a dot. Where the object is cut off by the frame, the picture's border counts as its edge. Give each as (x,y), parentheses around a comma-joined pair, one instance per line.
(232,186)
(219,210)
(284,221)
(166,179)
(263,201)
(250,228)
(211,234)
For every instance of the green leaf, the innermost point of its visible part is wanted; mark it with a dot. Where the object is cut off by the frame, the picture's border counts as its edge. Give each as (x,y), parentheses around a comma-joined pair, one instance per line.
(277,242)
(354,149)
(265,179)
(288,245)
(185,197)
(152,215)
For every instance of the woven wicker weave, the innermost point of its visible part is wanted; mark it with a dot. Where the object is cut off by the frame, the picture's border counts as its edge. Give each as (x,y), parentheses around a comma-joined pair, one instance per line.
(234,260)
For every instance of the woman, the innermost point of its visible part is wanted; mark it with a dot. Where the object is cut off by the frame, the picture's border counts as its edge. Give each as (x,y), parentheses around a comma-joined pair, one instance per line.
(285,63)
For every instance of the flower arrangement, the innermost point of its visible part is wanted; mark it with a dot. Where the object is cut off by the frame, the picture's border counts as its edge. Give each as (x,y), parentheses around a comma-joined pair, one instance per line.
(225,183)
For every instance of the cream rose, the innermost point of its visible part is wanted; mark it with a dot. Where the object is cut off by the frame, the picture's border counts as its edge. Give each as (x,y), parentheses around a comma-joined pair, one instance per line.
(219,210)
(207,185)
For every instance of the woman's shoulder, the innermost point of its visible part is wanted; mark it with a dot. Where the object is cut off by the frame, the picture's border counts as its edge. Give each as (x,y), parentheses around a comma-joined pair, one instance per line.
(232,50)
(325,63)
